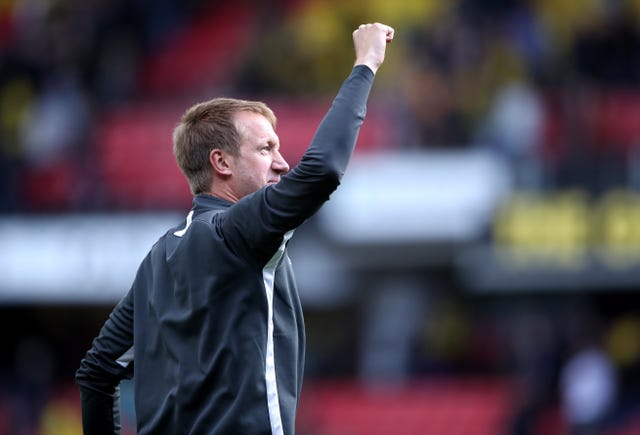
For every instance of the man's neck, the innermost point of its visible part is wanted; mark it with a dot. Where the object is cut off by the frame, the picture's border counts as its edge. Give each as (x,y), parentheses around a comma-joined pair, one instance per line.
(223,193)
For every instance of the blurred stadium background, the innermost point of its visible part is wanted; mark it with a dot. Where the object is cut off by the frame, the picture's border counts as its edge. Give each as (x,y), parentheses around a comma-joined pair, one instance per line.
(477,273)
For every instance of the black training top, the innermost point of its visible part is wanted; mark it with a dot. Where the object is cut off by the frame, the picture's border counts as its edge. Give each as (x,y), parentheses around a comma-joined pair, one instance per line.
(218,337)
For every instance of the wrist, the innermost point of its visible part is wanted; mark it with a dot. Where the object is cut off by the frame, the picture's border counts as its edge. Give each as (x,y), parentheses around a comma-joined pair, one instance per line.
(372,64)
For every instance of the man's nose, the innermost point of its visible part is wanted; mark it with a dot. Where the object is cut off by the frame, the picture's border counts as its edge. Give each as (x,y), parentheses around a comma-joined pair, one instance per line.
(280,164)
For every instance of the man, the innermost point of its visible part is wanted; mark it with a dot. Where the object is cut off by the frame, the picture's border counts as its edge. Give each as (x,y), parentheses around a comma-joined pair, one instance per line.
(212,329)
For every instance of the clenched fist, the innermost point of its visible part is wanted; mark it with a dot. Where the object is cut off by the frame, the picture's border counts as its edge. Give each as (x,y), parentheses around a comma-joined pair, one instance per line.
(370,43)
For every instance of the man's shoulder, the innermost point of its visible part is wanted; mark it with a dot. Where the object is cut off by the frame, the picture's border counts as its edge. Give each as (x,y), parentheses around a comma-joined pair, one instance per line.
(208,216)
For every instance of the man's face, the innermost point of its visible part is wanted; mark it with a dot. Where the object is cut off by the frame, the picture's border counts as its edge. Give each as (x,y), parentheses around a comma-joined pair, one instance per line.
(259,161)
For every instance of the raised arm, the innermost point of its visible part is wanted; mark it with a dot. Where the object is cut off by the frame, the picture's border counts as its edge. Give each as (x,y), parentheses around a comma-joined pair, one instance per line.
(300,193)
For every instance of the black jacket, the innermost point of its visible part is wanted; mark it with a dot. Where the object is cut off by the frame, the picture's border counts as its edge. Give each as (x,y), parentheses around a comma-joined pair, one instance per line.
(212,328)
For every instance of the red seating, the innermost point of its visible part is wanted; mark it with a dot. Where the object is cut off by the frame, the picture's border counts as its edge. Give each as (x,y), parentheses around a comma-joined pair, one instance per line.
(618,114)
(435,407)
(134,149)
(298,120)
(52,187)
(199,55)
(135,159)
(605,122)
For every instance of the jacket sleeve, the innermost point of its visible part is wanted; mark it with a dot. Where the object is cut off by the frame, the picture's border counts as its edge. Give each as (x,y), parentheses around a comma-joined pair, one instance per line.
(279,208)
(106,364)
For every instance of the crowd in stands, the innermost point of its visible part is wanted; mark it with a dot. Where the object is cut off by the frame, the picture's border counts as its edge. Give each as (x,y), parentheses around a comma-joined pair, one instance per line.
(551,85)
(61,64)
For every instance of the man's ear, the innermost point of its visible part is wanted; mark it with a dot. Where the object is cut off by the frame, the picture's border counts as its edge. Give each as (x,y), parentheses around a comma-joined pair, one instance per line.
(220,162)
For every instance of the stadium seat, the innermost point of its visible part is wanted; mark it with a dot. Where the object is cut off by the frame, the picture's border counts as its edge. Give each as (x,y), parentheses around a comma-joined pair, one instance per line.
(198,55)
(435,407)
